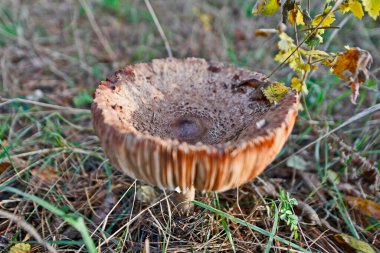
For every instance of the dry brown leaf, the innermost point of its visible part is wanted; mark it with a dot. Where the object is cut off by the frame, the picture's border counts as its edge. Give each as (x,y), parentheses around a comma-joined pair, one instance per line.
(365,206)
(4,166)
(47,174)
(306,211)
(352,65)
(265,32)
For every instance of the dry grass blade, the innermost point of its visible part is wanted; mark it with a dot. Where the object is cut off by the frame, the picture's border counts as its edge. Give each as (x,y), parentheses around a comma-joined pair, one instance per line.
(56,107)
(159,28)
(354,118)
(253,227)
(51,58)
(27,227)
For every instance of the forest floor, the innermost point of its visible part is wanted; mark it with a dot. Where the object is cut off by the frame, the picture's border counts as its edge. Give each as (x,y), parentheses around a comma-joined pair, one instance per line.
(55,176)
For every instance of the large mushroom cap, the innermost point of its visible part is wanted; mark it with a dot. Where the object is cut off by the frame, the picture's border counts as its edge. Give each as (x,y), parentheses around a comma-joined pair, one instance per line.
(183,123)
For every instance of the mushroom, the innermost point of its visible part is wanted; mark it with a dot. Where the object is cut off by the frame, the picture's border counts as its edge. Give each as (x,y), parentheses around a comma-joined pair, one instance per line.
(190,124)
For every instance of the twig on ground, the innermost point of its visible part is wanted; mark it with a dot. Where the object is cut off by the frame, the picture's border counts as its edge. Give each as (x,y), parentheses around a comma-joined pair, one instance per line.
(28,228)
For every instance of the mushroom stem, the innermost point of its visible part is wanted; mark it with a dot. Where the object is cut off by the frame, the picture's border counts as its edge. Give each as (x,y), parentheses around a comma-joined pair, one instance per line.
(182,200)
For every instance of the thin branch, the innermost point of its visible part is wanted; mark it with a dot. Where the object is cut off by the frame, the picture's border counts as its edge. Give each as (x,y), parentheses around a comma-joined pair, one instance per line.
(307,37)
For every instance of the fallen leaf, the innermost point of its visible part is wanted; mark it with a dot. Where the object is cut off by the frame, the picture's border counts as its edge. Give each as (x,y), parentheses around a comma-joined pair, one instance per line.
(351,244)
(275,92)
(146,194)
(266,188)
(372,7)
(4,166)
(20,248)
(364,206)
(296,162)
(306,211)
(46,174)
(266,7)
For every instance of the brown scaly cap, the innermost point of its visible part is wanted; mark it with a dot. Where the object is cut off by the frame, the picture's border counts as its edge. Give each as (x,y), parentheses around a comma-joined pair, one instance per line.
(187,122)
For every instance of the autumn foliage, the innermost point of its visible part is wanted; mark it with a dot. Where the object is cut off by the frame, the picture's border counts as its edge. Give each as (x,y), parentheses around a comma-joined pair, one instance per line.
(303,54)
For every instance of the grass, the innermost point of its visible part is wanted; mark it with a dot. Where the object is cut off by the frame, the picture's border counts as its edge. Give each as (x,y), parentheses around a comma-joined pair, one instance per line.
(54,174)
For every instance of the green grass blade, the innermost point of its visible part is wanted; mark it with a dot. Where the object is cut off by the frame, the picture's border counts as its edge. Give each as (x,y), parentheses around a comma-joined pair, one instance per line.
(228,232)
(253,227)
(343,212)
(76,221)
(274,229)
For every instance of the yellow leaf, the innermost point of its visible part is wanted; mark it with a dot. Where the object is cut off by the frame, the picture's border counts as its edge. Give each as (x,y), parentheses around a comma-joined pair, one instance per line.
(275,92)
(20,248)
(295,16)
(350,244)
(322,20)
(289,54)
(299,18)
(286,43)
(372,7)
(344,7)
(303,67)
(266,7)
(356,8)
(296,84)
